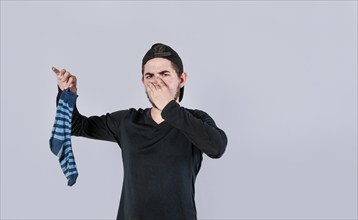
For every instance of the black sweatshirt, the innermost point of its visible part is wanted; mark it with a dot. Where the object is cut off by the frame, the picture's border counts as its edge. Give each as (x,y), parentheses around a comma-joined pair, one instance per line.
(160,161)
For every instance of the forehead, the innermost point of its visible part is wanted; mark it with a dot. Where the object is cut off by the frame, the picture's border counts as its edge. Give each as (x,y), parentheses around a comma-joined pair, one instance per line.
(157,65)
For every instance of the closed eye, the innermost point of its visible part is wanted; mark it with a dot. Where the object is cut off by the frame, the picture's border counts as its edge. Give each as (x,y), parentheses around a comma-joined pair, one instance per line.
(148,75)
(165,73)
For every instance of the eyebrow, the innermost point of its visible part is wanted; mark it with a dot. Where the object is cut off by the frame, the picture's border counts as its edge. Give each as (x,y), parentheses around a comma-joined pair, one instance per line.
(160,73)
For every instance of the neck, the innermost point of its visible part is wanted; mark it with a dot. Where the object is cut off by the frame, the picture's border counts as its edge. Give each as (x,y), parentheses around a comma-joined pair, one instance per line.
(156,115)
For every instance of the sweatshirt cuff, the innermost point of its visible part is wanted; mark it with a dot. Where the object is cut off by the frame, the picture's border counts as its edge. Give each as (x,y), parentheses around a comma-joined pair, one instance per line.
(169,109)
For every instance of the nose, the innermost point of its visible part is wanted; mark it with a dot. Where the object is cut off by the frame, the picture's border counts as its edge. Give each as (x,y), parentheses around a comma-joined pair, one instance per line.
(154,79)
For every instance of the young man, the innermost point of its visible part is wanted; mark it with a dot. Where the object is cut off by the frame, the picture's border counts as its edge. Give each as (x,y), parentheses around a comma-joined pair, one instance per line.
(162,146)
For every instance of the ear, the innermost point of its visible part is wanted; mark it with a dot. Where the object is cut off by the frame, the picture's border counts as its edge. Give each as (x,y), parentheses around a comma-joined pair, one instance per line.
(183,77)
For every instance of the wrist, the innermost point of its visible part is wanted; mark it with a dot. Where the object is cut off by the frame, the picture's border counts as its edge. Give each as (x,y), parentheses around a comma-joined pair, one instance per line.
(165,104)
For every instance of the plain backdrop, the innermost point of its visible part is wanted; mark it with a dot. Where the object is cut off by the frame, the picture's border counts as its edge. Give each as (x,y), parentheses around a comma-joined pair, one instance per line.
(279,77)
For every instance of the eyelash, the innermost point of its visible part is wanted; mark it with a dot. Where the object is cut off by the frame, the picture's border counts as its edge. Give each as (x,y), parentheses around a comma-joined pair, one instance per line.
(149,76)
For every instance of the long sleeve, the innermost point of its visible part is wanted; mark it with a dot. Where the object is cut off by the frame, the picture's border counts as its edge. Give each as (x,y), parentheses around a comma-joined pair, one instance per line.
(198,127)
(102,127)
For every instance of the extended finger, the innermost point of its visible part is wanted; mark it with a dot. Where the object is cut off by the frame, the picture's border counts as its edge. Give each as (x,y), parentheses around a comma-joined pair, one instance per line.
(55,70)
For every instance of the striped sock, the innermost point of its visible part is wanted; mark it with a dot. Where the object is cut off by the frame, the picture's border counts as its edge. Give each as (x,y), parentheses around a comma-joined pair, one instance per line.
(60,141)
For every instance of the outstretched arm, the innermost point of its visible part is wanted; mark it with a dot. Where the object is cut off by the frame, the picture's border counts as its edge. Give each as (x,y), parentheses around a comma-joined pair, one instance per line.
(96,127)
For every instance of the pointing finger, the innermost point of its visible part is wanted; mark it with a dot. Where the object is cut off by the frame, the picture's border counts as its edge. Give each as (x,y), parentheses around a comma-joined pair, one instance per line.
(55,70)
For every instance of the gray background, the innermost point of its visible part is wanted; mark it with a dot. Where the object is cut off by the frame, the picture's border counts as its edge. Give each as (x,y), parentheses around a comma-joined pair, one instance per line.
(279,77)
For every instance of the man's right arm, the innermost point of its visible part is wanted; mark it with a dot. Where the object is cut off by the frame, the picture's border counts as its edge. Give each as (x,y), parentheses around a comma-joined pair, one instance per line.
(103,127)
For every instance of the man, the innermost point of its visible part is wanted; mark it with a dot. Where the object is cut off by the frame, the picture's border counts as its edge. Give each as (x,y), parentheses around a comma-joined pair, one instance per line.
(162,146)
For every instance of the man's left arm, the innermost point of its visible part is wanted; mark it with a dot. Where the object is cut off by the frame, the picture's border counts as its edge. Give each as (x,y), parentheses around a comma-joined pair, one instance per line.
(198,127)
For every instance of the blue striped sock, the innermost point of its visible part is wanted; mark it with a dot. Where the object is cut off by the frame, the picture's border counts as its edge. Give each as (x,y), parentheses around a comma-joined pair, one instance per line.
(60,141)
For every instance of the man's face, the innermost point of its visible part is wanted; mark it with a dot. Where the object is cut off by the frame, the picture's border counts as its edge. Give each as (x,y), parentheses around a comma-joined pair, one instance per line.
(162,68)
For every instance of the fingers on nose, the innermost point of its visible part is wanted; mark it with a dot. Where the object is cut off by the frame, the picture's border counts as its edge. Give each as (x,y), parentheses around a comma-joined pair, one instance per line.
(153,81)
(161,82)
